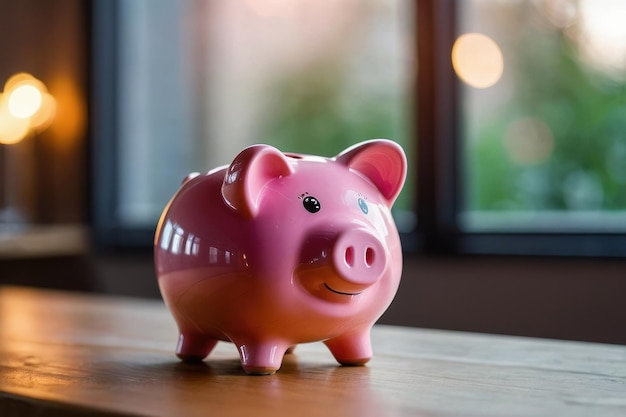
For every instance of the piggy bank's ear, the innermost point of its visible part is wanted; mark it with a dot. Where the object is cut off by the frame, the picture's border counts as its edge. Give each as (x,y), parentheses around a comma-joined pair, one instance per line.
(382,161)
(249,172)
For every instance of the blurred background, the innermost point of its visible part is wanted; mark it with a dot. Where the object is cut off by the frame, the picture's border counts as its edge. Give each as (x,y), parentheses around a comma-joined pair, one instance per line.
(512,114)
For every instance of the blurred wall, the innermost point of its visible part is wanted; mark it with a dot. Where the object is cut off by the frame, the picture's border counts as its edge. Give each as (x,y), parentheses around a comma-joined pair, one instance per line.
(562,298)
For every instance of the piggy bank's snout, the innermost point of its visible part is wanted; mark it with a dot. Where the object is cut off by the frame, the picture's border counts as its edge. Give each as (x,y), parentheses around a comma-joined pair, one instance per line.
(359,257)
(338,265)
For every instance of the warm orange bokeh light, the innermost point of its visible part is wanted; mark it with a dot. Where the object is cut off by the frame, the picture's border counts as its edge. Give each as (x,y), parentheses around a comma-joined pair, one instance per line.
(44,116)
(24,101)
(477,60)
(25,105)
(70,117)
(17,79)
(12,129)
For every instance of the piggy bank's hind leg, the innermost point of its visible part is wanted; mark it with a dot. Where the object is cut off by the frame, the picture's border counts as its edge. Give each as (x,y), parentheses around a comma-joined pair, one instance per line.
(194,347)
(351,349)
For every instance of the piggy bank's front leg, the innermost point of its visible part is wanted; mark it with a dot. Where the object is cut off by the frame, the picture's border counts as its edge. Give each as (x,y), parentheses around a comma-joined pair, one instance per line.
(261,358)
(194,347)
(351,349)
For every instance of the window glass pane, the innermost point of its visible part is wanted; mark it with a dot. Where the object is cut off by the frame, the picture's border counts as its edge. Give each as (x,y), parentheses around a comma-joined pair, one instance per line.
(202,80)
(544,114)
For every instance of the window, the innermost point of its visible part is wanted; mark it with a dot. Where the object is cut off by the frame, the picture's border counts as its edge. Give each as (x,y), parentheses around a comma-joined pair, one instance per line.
(544,147)
(527,126)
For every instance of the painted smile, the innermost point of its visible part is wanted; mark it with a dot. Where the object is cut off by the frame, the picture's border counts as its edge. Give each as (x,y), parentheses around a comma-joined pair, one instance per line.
(339,292)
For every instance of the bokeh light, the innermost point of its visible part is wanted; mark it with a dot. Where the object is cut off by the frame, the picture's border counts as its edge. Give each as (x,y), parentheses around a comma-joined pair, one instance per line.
(12,129)
(529,141)
(44,116)
(25,105)
(17,79)
(582,190)
(70,117)
(24,101)
(477,60)
(602,37)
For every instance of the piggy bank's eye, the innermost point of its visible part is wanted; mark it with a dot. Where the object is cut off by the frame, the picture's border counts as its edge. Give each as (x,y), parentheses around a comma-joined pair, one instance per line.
(363,206)
(311,204)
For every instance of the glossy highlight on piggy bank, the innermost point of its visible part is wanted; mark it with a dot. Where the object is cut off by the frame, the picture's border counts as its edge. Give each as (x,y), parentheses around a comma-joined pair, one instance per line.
(278,249)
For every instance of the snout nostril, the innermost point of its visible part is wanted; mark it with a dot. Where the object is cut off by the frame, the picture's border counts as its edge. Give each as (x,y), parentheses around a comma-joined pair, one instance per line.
(350,256)
(369,257)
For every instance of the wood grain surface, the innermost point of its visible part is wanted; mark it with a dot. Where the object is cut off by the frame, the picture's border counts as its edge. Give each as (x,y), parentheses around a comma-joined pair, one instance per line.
(64,354)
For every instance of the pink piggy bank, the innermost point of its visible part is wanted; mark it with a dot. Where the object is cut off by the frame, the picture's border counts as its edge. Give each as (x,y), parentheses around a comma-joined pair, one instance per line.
(279,249)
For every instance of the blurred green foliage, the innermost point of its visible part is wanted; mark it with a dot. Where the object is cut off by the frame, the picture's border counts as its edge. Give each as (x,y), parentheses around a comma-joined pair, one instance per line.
(585,111)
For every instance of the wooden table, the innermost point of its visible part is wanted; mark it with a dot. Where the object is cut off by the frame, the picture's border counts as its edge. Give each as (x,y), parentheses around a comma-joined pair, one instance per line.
(65,354)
